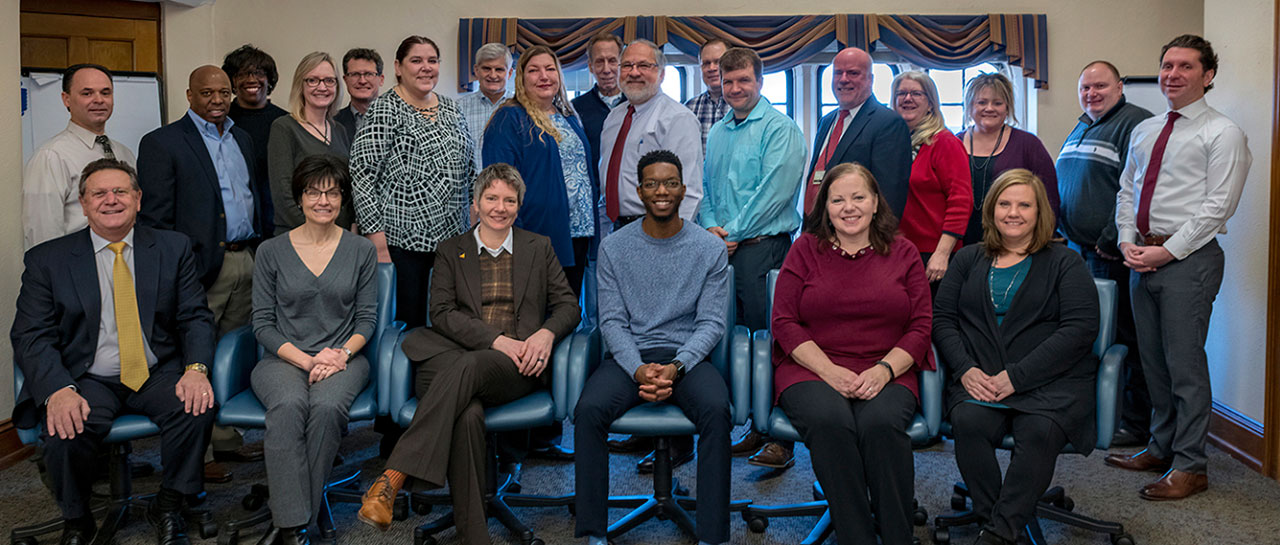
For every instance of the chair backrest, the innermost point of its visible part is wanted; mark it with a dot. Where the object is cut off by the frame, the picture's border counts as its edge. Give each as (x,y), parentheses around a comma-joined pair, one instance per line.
(720,354)
(1107,319)
(27,436)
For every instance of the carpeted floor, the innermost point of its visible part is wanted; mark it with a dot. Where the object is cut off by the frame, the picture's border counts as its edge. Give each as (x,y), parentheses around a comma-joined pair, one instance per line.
(1241,507)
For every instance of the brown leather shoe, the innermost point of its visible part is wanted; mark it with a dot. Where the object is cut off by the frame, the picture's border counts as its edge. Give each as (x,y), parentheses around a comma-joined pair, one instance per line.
(773,455)
(375,506)
(216,472)
(1175,485)
(1138,461)
(749,444)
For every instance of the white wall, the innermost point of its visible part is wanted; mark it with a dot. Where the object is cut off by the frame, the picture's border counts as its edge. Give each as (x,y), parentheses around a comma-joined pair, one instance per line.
(10,208)
(1243,34)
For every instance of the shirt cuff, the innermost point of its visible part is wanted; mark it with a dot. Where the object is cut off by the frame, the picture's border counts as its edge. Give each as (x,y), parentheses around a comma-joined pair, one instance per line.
(72,386)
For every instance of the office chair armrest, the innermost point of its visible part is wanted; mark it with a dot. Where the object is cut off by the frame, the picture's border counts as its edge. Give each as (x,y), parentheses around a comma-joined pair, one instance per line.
(560,376)
(761,379)
(381,352)
(740,369)
(931,397)
(233,362)
(584,357)
(400,378)
(1110,388)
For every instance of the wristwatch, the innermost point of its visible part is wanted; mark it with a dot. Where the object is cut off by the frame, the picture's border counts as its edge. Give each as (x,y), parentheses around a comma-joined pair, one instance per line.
(348,352)
(679,369)
(199,367)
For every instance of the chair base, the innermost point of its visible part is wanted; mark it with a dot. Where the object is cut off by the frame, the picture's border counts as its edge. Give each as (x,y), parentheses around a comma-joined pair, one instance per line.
(1054,505)
(757,516)
(342,490)
(121,504)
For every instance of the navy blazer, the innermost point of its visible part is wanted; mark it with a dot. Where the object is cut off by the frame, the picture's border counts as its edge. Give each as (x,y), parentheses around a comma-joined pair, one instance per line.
(55,329)
(512,138)
(877,138)
(593,111)
(176,173)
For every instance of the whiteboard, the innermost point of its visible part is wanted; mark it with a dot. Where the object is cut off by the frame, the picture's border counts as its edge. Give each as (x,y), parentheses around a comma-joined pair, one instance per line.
(136,111)
(1145,92)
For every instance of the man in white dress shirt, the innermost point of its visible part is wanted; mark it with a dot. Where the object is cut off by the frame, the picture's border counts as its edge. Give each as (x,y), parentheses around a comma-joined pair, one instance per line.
(1182,181)
(50,183)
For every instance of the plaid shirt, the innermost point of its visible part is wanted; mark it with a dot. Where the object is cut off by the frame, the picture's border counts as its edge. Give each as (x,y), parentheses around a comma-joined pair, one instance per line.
(709,110)
(477,108)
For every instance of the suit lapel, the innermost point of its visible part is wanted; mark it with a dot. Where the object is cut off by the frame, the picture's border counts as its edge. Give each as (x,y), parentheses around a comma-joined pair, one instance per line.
(146,277)
(856,125)
(824,125)
(522,260)
(201,152)
(469,262)
(85,277)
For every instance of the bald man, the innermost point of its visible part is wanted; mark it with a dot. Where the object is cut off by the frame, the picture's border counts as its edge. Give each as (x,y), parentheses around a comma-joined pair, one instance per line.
(862,131)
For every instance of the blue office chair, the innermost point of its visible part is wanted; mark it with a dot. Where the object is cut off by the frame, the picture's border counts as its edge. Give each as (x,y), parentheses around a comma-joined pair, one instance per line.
(669,500)
(238,352)
(772,421)
(534,410)
(122,502)
(1055,504)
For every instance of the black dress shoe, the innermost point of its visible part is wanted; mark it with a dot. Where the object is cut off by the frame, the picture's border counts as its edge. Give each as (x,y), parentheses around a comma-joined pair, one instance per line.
(171,528)
(680,455)
(510,468)
(987,538)
(247,453)
(74,533)
(272,537)
(635,443)
(553,452)
(295,536)
(1125,437)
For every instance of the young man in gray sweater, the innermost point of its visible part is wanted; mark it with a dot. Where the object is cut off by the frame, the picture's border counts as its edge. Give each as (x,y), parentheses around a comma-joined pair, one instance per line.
(663,291)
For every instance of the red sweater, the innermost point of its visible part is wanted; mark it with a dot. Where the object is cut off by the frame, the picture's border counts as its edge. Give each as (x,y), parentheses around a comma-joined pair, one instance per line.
(856,310)
(940,195)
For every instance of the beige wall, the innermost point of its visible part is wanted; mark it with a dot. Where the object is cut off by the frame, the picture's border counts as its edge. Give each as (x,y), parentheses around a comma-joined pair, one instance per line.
(1243,34)
(10,208)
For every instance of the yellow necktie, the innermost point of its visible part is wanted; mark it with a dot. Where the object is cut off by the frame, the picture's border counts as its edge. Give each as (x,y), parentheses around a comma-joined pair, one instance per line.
(133,357)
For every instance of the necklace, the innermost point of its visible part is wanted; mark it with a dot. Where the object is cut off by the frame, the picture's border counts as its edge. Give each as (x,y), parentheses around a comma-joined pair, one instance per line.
(835,245)
(324,134)
(428,112)
(991,285)
(979,172)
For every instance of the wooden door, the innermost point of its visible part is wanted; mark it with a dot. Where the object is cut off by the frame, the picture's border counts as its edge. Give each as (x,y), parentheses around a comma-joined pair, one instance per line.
(118,34)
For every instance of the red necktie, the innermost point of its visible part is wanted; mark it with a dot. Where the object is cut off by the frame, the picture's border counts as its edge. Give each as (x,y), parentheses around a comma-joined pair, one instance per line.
(615,164)
(1153,172)
(811,189)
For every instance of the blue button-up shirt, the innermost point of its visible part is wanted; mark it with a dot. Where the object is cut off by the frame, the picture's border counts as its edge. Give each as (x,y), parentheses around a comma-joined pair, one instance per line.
(233,176)
(751,176)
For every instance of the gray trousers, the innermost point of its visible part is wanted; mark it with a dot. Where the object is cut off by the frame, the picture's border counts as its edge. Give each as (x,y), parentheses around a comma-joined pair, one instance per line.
(1171,309)
(446,440)
(303,431)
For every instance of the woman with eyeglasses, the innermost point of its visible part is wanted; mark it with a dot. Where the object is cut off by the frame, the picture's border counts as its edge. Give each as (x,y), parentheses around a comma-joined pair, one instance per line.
(314,308)
(994,146)
(538,132)
(309,129)
(411,169)
(939,198)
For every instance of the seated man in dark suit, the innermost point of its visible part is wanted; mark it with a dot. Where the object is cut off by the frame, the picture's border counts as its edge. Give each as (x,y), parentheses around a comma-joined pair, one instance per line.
(664,287)
(112,318)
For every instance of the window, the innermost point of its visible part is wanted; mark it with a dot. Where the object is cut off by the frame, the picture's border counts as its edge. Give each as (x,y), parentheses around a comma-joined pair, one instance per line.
(577,82)
(673,83)
(779,88)
(951,84)
(827,103)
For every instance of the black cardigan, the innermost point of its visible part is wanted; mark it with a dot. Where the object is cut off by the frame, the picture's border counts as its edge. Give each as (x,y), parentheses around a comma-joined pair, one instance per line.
(1045,342)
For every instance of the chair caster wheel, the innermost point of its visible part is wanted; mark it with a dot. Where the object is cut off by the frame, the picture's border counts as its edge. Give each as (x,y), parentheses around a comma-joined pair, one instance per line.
(252,502)
(420,507)
(1122,539)
(536,541)
(680,491)
(23,541)
(958,502)
(573,509)
(942,536)
(207,529)
(228,537)
(920,516)
(757,524)
(400,509)
(421,538)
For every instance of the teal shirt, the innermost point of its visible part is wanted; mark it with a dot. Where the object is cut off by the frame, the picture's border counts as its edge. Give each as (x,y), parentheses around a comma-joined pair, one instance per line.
(1004,285)
(752,174)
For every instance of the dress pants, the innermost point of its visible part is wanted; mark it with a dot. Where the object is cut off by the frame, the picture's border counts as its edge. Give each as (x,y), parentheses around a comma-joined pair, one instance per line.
(1135,416)
(413,277)
(231,300)
(303,432)
(1171,307)
(72,463)
(1006,504)
(446,440)
(751,264)
(702,395)
(859,449)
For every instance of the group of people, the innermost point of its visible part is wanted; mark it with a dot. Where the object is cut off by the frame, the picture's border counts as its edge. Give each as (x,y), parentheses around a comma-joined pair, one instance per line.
(505,214)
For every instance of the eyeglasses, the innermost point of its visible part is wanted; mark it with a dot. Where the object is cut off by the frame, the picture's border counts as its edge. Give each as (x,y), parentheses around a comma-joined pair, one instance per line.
(314,194)
(362,75)
(669,183)
(643,66)
(315,82)
(912,94)
(119,192)
(256,73)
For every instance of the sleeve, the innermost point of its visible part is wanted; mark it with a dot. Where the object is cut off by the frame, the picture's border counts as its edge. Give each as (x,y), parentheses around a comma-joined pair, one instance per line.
(947,336)
(615,322)
(951,167)
(916,335)
(781,167)
(1040,163)
(788,329)
(157,177)
(1126,222)
(711,166)
(500,139)
(563,312)
(684,137)
(35,335)
(265,301)
(1073,338)
(282,156)
(195,321)
(371,147)
(46,185)
(891,161)
(446,318)
(1228,167)
(709,323)
(366,309)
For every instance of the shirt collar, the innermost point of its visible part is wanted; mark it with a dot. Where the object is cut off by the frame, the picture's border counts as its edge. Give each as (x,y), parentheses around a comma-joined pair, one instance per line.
(208,128)
(495,252)
(99,243)
(82,134)
(757,112)
(610,101)
(1193,110)
(1084,117)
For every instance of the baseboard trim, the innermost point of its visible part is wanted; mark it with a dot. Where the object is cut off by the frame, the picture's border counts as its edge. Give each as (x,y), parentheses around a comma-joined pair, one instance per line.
(12,450)
(1237,435)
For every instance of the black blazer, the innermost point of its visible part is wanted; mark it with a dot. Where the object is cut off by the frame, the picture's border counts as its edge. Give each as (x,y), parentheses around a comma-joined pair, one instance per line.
(542,295)
(1045,342)
(877,138)
(177,175)
(592,110)
(55,329)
